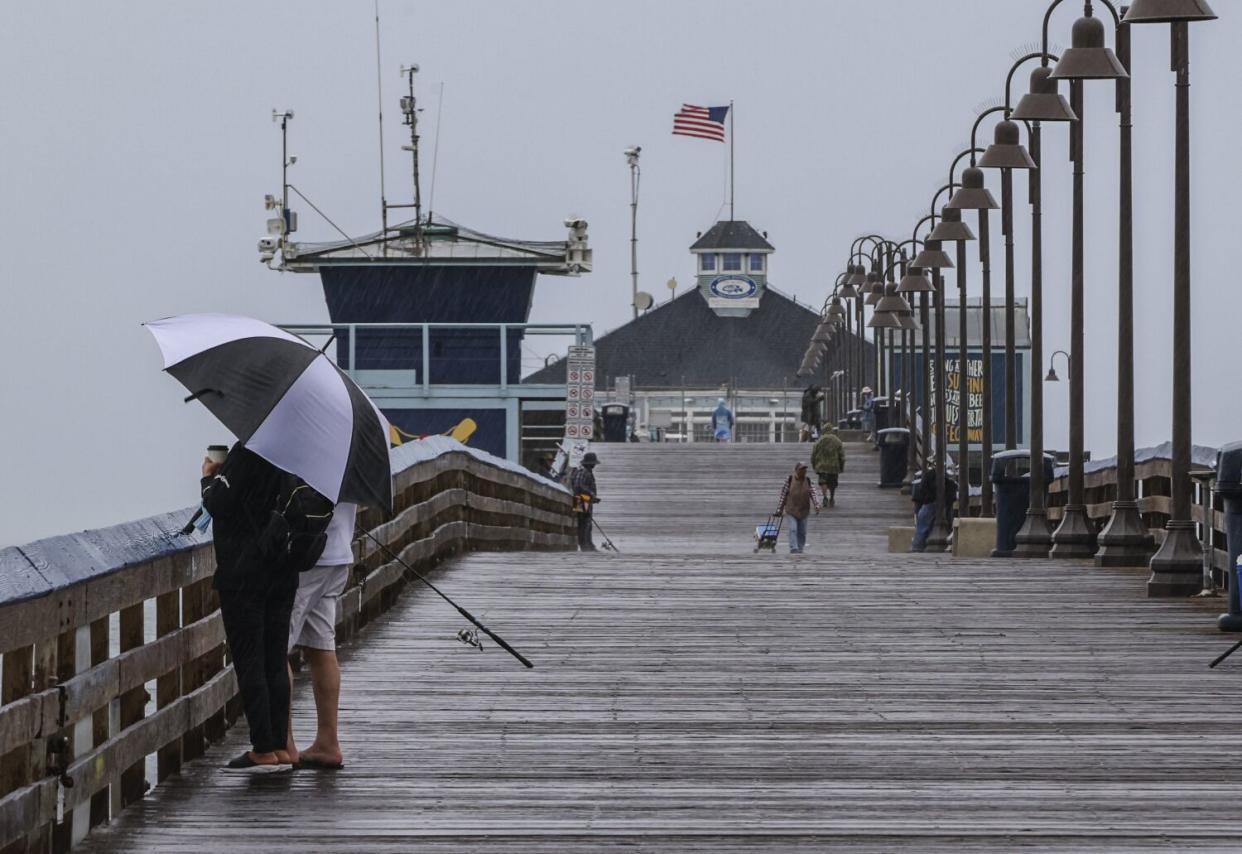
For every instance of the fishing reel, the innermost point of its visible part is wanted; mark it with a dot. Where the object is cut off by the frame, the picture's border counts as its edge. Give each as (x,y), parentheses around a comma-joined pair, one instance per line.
(470,637)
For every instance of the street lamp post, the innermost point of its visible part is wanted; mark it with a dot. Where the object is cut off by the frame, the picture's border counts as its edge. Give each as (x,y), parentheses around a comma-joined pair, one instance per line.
(1042,103)
(1177,565)
(933,258)
(1088,59)
(952,229)
(1125,540)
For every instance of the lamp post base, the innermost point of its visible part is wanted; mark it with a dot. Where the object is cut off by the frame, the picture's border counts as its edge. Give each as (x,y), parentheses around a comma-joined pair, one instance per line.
(1035,537)
(1177,568)
(939,538)
(1074,538)
(1125,540)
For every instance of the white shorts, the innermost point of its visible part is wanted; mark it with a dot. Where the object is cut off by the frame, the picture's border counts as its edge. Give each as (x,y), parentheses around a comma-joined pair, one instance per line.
(313,623)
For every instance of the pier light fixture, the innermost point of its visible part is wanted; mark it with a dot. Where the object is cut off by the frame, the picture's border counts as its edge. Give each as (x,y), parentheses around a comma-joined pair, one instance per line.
(1006,150)
(951,229)
(932,257)
(1089,58)
(972,195)
(915,281)
(1042,102)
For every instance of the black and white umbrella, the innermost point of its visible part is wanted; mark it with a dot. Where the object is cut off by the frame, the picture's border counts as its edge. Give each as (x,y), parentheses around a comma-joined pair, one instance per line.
(283,399)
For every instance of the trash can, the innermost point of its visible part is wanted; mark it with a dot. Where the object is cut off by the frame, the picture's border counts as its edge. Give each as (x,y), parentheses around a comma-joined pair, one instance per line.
(616,422)
(894,453)
(883,413)
(853,420)
(1011,475)
(1229,487)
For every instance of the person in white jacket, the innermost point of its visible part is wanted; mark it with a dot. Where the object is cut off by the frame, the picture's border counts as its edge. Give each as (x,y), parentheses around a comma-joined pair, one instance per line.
(313,628)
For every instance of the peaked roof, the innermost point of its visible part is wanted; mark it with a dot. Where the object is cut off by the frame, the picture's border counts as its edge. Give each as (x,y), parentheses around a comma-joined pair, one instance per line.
(731,234)
(685,343)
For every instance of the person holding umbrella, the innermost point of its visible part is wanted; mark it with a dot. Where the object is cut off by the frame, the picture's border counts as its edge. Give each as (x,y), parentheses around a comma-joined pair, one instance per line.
(308,439)
(256,601)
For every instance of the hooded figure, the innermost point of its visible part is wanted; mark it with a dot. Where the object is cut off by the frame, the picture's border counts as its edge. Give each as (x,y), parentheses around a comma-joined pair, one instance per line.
(828,460)
(722,422)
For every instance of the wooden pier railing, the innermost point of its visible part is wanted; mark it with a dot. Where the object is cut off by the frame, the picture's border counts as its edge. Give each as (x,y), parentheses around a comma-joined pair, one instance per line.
(1153,473)
(114,670)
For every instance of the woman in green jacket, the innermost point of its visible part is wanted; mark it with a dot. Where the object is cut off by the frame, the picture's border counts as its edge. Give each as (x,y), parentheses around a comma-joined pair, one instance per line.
(828,460)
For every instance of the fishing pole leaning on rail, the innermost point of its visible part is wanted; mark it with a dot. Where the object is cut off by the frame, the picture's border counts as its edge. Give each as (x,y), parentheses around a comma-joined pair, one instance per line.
(463,636)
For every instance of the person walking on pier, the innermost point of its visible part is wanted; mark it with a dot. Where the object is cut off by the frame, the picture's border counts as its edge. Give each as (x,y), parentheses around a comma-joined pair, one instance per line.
(313,628)
(722,422)
(586,496)
(799,497)
(868,412)
(255,600)
(828,461)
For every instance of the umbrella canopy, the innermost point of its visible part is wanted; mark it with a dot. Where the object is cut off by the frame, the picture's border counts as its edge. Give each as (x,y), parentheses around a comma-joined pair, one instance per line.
(284,400)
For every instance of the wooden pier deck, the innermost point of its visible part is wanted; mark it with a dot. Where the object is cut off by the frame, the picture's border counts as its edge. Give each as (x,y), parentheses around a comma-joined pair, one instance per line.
(692,696)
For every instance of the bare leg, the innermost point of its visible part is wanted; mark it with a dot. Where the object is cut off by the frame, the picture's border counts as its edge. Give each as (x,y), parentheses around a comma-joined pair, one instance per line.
(291,748)
(326,682)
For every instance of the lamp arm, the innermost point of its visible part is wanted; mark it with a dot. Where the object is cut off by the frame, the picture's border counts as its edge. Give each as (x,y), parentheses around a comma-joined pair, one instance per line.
(1044,44)
(972,151)
(974,130)
(914,234)
(1013,69)
(936,198)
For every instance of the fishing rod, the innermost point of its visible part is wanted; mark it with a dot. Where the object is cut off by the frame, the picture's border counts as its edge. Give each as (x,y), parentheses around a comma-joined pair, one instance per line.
(499,640)
(608,544)
(1226,654)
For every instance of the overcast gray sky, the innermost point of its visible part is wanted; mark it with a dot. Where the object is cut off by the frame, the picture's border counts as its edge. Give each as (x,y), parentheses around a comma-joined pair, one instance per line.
(136,146)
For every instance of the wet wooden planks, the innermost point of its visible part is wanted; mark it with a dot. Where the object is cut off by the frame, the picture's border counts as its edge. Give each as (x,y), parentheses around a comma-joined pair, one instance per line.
(692,696)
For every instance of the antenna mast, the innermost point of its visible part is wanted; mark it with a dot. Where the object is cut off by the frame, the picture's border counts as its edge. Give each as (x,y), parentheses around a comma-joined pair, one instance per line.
(379,96)
(409,107)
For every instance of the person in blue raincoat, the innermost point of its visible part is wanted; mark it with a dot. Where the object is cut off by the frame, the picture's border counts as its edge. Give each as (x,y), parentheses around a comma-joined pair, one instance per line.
(722,422)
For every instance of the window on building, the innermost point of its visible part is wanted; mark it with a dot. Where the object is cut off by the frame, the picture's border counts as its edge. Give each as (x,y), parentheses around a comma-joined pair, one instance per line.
(707,262)
(754,431)
(756,263)
(732,262)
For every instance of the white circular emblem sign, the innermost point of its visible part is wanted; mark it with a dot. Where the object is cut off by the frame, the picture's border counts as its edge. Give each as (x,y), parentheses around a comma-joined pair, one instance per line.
(733,287)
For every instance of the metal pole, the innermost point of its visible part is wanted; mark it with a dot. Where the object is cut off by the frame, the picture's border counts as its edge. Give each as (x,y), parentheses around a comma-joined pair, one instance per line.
(730,161)
(939,537)
(925,397)
(963,382)
(1074,537)
(1034,539)
(1125,540)
(1175,567)
(1011,374)
(985,324)
(634,233)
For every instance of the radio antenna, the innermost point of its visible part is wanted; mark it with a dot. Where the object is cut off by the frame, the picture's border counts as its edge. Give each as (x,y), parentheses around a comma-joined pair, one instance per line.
(409,107)
(379,95)
(435,156)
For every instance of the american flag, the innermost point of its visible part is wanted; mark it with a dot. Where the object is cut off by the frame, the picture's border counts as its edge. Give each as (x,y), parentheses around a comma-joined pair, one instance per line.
(703,122)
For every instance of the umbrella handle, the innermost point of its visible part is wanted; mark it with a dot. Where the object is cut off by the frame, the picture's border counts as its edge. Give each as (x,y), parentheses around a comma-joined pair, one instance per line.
(203,391)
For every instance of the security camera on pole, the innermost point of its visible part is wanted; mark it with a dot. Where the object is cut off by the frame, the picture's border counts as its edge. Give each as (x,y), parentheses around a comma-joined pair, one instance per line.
(631,157)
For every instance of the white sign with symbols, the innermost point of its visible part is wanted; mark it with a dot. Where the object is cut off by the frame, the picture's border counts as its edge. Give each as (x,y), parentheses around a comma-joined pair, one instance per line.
(579,401)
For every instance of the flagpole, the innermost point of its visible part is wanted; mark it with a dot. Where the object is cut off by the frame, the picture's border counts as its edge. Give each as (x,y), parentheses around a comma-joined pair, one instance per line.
(730,161)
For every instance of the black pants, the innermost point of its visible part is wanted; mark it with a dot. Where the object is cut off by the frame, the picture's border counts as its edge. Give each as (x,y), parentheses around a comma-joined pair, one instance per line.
(256,625)
(584,531)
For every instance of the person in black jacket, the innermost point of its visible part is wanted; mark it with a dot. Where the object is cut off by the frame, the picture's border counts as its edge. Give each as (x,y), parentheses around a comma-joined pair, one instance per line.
(586,496)
(255,601)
